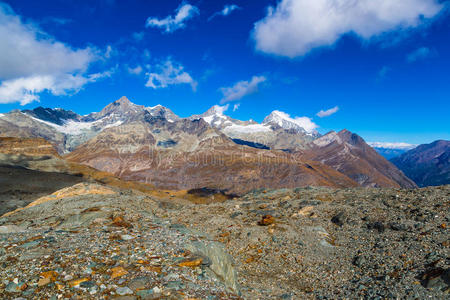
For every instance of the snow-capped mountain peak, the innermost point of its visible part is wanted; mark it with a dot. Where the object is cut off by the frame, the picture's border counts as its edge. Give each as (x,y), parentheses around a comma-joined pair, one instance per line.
(285,121)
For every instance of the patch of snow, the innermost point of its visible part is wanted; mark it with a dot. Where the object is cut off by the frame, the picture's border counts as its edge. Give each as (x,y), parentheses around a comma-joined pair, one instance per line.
(70,127)
(252,128)
(399,146)
(118,123)
(208,119)
(2,115)
(153,107)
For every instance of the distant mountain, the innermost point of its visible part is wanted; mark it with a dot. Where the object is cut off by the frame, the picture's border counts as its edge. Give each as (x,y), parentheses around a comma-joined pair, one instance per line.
(67,130)
(153,145)
(391,150)
(427,165)
(276,132)
(189,154)
(349,154)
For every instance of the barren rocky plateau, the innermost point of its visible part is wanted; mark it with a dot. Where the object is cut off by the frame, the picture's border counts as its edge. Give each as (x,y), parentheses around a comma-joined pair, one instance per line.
(91,241)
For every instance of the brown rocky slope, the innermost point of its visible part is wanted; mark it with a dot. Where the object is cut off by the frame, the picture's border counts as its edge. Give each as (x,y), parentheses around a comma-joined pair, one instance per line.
(201,157)
(349,154)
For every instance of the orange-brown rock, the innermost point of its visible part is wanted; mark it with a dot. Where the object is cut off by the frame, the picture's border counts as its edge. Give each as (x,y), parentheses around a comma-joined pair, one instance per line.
(118,272)
(266,220)
(191,263)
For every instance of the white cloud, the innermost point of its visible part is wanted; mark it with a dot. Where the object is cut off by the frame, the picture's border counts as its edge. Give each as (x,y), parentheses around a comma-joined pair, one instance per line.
(136,71)
(110,51)
(304,122)
(327,112)
(220,110)
(26,89)
(228,9)
(171,23)
(241,89)
(402,146)
(295,27)
(32,62)
(418,54)
(169,73)
(236,106)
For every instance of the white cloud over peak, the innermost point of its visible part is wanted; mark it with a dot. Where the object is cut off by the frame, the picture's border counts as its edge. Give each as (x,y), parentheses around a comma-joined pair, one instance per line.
(241,89)
(418,54)
(183,13)
(169,73)
(304,122)
(328,112)
(32,62)
(220,110)
(228,9)
(295,27)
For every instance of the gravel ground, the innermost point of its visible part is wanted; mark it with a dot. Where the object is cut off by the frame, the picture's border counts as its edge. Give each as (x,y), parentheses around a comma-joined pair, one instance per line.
(309,243)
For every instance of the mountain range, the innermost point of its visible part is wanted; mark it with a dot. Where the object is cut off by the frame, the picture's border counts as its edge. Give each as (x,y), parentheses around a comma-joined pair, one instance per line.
(155,146)
(428,164)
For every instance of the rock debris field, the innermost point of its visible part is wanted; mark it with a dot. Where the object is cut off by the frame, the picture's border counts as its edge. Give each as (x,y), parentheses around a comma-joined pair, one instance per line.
(95,242)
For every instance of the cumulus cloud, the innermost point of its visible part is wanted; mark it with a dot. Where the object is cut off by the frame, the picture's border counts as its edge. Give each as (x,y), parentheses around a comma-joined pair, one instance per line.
(328,112)
(304,122)
(295,27)
(241,89)
(32,62)
(228,9)
(418,54)
(26,89)
(171,23)
(169,73)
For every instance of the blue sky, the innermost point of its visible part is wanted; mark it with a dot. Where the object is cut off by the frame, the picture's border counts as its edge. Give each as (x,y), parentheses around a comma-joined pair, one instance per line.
(384,66)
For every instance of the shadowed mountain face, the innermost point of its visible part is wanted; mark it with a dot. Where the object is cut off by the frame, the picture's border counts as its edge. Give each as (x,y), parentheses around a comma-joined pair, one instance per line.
(349,154)
(153,145)
(427,165)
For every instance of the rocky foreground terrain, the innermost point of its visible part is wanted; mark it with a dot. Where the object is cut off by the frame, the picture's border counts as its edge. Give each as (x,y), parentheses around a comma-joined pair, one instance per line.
(91,241)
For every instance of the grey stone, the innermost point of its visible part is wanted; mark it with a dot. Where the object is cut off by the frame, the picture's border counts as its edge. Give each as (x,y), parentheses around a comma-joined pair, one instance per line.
(221,262)
(122,291)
